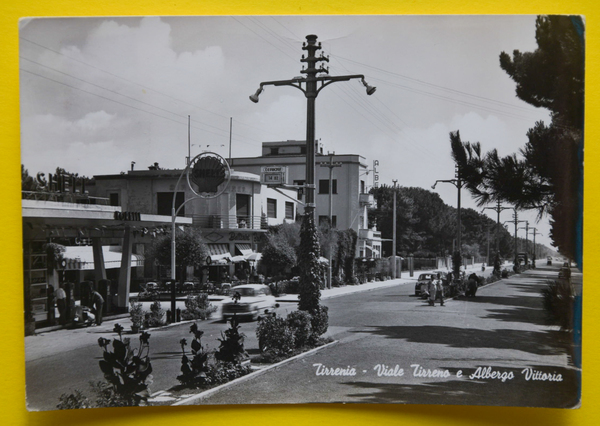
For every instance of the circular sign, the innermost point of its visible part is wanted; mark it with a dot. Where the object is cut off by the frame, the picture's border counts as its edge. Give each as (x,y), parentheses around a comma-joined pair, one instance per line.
(206,173)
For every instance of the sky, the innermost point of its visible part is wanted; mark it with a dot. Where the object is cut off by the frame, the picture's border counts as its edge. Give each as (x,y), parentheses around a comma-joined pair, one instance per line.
(100,93)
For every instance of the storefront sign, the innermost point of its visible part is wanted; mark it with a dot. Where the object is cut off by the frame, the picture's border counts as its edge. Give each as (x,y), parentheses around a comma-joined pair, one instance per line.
(239,236)
(207,174)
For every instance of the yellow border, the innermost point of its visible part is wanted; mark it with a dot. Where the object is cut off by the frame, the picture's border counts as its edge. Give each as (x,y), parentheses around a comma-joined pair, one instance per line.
(12,364)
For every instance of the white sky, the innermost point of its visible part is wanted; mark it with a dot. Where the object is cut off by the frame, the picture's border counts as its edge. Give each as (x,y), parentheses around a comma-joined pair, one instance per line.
(97,94)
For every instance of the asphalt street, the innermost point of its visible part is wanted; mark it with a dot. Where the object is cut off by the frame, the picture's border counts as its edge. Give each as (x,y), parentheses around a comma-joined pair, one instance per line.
(392,345)
(503,327)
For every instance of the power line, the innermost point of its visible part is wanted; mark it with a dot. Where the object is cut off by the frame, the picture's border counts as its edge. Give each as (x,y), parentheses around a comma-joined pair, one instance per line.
(136,83)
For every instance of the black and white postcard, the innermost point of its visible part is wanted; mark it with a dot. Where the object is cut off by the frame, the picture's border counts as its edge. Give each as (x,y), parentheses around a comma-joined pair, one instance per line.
(302,209)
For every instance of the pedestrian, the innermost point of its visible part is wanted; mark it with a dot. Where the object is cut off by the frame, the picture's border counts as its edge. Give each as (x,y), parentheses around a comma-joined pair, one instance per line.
(51,306)
(432,289)
(439,286)
(61,303)
(97,306)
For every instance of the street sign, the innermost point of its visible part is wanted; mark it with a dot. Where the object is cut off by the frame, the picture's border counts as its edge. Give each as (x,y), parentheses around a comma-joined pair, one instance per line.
(273,175)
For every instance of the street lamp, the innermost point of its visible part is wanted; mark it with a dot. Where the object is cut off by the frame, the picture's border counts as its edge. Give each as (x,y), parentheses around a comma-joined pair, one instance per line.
(311,90)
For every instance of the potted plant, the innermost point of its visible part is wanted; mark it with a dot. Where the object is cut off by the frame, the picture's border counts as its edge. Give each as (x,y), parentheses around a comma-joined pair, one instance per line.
(137,315)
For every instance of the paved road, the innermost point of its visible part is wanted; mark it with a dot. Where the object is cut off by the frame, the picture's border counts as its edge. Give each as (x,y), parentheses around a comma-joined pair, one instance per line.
(62,361)
(502,329)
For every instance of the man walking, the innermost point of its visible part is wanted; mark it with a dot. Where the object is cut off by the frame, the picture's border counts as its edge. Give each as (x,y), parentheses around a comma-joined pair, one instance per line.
(61,303)
(97,305)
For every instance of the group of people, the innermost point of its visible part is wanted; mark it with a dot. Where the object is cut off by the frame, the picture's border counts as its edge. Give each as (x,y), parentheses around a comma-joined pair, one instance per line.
(436,290)
(66,306)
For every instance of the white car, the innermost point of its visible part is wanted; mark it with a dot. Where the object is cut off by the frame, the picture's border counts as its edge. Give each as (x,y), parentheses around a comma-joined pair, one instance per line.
(254,301)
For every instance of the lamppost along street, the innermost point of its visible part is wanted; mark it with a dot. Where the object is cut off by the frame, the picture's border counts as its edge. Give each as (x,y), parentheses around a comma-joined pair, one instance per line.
(311,90)
(210,170)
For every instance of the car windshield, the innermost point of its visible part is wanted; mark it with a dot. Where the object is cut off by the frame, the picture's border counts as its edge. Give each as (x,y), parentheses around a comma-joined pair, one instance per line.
(425,277)
(246,291)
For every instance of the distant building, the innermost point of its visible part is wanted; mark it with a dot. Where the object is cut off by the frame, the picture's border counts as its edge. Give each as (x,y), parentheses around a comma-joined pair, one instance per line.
(233,223)
(350,197)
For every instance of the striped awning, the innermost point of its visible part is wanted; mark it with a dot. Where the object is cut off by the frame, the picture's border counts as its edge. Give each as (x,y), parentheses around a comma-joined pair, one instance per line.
(81,258)
(218,253)
(243,249)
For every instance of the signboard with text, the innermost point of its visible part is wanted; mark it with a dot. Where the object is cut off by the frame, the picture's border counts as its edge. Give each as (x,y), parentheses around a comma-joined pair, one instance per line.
(273,175)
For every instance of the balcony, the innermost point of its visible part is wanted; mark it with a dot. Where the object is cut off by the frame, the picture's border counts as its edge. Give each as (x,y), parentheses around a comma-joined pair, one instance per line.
(366,200)
(230,222)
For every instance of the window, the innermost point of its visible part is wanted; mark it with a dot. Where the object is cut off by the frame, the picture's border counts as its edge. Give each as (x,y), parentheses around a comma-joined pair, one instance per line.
(114,199)
(289,210)
(164,203)
(362,186)
(324,186)
(274,151)
(325,219)
(271,208)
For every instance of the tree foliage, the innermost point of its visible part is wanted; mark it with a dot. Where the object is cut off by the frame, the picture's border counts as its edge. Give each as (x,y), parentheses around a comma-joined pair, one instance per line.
(190,248)
(426,226)
(546,174)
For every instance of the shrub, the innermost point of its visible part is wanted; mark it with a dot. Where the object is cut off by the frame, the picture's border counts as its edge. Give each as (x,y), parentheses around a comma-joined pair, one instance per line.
(136,312)
(224,372)
(319,322)
(73,400)
(127,370)
(299,322)
(231,349)
(194,371)
(559,303)
(156,316)
(274,336)
(197,307)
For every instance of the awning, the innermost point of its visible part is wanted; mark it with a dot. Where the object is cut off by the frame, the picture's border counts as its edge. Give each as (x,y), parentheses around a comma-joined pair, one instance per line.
(243,249)
(238,259)
(218,253)
(374,251)
(81,258)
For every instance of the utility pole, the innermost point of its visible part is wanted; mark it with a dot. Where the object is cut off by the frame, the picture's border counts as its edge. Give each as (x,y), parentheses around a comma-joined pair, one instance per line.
(516,222)
(309,291)
(331,166)
(498,209)
(458,183)
(394,272)
(534,246)
(526,238)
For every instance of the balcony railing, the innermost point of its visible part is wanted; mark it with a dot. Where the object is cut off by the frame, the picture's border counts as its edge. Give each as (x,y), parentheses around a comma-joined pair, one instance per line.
(64,197)
(230,222)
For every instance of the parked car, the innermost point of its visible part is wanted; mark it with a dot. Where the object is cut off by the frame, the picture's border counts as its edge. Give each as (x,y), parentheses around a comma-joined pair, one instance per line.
(188,287)
(254,301)
(150,286)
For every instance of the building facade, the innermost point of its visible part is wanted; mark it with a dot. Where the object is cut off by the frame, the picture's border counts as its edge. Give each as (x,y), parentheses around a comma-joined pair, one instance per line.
(349,196)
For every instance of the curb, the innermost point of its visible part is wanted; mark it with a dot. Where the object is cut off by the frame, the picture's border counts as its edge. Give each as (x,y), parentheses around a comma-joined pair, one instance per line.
(212,391)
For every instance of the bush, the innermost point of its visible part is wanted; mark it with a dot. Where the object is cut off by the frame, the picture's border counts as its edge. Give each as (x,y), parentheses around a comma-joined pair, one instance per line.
(136,312)
(73,400)
(127,370)
(274,336)
(299,322)
(197,307)
(319,322)
(231,349)
(194,371)
(156,316)
(224,372)
(559,303)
